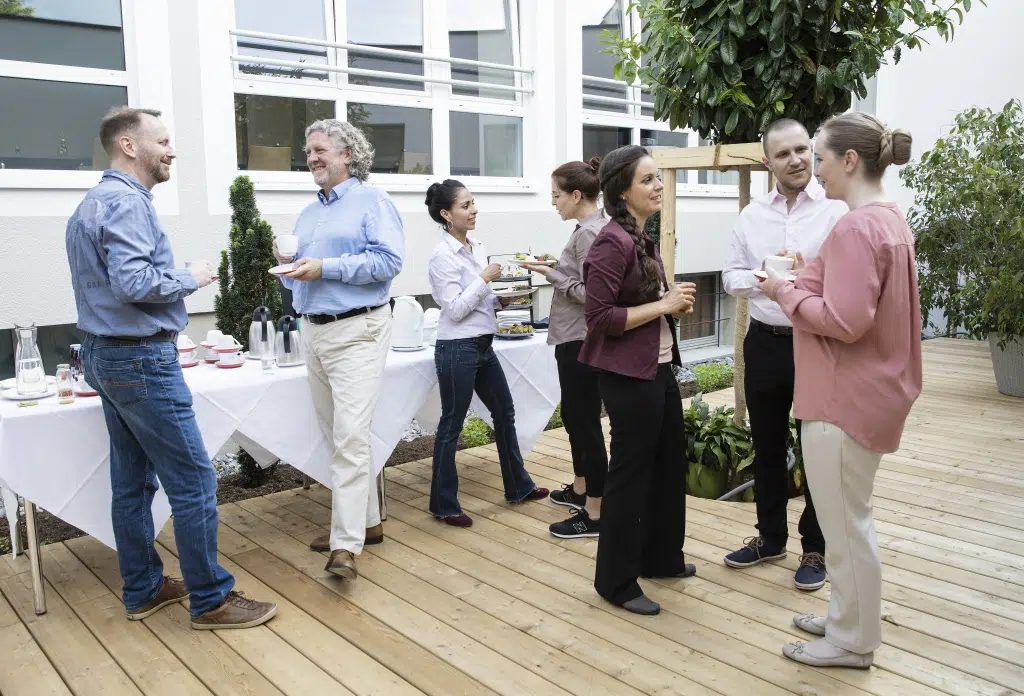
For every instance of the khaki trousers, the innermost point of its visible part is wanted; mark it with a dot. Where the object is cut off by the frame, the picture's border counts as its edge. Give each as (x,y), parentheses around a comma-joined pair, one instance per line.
(841,475)
(345,359)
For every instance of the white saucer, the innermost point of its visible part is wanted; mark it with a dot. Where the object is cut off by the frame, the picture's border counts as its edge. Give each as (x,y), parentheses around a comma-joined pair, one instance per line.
(407,349)
(13,382)
(250,356)
(762,276)
(294,364)
(282,269)
(13,395)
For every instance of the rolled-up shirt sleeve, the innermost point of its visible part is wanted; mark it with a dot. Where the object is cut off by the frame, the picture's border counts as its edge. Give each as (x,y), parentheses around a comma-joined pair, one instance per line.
(737,277)
(604,271)
(129,242)
(381,260)
(447,291)
(849,267)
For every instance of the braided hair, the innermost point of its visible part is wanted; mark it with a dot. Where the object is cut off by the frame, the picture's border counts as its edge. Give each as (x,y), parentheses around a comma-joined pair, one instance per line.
(616,174)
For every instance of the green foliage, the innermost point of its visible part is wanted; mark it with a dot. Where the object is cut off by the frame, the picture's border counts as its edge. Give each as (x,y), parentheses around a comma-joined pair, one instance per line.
(244,281)
(556,419)
(15,8)
(728,68)
(719,453)
(712,377)
(476,433)
(968,221)
(653,227)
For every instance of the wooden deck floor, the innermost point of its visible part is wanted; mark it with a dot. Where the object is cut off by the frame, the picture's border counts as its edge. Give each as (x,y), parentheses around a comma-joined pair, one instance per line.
(504,608)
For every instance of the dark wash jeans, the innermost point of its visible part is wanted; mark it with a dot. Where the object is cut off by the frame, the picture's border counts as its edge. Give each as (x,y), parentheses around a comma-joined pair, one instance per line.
(463,366)
(153,433)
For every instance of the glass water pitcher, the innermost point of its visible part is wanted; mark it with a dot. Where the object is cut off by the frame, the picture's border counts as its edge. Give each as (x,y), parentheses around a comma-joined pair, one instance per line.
(28,364)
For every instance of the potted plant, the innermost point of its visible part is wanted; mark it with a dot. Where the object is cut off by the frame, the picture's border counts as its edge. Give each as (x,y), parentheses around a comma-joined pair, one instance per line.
(968,222)
(717,450)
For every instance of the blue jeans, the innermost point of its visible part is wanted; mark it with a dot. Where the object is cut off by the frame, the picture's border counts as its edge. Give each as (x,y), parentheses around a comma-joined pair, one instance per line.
(465,365)
(153,433)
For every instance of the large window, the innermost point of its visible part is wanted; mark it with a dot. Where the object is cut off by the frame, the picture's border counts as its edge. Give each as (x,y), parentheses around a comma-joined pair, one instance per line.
(616,113)
(63,68)
(383,73)
(270,131)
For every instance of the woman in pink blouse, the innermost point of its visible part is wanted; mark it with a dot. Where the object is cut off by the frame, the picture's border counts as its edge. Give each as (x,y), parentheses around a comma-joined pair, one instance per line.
(857,347)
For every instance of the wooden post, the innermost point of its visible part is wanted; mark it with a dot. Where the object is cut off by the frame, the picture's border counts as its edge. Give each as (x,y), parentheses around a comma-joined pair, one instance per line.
(742,315)
(668,223)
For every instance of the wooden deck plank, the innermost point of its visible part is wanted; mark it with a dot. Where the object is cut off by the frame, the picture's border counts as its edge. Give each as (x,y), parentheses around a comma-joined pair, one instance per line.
(24,669)
(82,662)
(928,671)
(223,671)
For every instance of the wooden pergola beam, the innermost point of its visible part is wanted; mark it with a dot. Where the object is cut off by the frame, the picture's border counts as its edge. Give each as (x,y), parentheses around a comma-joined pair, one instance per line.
(718,157)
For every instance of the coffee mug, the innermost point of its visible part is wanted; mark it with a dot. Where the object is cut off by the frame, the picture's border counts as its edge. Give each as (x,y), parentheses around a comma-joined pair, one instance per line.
(227,344)
(185,343)
(779,264)
(213,336)
(287,245)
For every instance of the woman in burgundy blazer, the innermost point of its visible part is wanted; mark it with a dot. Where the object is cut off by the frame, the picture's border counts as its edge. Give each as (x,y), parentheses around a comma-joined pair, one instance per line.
(631,340)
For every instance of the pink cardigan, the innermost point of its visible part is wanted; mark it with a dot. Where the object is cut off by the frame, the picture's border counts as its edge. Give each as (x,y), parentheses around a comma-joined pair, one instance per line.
(857,320)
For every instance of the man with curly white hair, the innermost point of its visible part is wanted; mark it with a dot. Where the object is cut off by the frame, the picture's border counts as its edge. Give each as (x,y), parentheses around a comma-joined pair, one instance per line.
(351,245)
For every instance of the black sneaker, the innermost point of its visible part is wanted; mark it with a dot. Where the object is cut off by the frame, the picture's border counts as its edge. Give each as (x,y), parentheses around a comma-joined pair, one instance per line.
(755,550)
(578,526)
(568,497)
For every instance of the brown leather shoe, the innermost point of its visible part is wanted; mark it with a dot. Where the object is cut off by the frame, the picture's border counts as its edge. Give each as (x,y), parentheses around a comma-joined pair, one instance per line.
(172,591)
(342,564)
(237,611)
(374,536)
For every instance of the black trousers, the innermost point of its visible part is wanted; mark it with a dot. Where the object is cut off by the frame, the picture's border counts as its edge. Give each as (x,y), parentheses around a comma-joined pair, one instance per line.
(768,381)
(581,416)
(643,514)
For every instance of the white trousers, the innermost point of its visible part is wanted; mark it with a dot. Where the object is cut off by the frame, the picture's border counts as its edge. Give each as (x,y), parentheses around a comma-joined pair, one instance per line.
(345,360)
(841,475)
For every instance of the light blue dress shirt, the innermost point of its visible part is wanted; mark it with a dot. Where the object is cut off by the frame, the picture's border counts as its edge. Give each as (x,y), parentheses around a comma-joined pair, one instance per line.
(122,268)
(358,234)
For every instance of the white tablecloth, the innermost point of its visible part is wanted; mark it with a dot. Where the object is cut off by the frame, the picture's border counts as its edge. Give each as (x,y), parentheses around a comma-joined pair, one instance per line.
(58,456)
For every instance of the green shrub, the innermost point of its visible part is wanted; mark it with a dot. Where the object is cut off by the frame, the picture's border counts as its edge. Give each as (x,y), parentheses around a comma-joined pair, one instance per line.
(556,419)
(713,377)
(476,433)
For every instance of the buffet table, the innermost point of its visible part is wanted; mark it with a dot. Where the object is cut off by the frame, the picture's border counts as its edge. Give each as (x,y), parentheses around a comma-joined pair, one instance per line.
(58,456)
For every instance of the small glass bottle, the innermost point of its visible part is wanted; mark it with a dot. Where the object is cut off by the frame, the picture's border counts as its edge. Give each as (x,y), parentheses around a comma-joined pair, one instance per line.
(65,385)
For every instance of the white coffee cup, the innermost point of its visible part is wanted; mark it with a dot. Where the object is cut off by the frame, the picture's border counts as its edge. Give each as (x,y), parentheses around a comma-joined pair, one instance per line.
(229,358)
(213,336)
(227,343)
(287,245)
(779,264)
(185,343)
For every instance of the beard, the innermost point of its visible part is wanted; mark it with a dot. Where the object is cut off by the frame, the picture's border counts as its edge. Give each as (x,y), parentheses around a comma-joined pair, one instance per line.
(159,171)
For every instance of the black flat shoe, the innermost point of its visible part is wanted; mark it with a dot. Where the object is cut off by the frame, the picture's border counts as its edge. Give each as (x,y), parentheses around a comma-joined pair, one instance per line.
(642,605)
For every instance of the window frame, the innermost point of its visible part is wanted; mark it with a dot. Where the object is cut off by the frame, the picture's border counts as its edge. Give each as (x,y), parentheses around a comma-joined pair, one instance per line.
(45,72)
(715,339)
(634,119)
(438,98)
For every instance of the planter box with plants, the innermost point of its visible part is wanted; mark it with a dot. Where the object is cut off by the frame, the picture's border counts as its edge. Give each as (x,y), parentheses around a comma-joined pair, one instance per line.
(968,222)
(719,453)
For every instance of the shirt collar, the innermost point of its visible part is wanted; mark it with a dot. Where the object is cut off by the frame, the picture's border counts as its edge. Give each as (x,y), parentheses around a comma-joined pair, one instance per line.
(127,179)
(456,245)
(814,191)
(338,192)
(593,217)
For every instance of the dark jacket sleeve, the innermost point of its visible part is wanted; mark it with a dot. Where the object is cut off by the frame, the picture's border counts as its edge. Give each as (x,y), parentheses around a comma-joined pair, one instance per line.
(604,271)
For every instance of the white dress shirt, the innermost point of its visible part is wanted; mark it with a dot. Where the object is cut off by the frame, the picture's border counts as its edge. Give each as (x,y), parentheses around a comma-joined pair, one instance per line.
(467,303)
(766,227)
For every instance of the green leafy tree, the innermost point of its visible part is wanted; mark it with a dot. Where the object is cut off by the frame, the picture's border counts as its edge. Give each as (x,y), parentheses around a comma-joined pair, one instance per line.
(245,283)
(15,8)
(968,222)
(728,68)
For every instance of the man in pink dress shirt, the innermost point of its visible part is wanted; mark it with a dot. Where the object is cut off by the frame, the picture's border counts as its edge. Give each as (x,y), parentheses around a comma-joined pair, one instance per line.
(795,218)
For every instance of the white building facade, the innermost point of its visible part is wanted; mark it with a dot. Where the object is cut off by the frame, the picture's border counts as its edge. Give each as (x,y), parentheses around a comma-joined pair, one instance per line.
(495,93)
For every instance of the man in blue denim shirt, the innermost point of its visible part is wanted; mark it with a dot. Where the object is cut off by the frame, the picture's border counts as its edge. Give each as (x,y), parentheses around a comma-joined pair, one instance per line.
(351,244)
(131,304)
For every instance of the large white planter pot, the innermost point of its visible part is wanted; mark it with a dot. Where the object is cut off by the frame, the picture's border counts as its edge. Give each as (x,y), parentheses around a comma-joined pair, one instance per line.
(1008,364)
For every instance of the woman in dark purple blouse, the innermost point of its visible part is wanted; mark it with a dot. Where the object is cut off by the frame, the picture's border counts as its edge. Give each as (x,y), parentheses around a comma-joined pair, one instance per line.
(631,340)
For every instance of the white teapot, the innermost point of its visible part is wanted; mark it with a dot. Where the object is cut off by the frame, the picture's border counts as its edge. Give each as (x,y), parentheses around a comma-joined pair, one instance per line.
(407,326)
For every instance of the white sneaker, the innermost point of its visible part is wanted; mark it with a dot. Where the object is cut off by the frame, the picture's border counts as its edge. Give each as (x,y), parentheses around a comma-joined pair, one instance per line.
(809,622)
(821,653)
